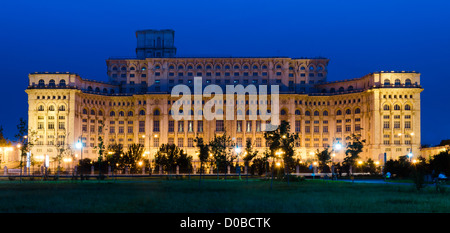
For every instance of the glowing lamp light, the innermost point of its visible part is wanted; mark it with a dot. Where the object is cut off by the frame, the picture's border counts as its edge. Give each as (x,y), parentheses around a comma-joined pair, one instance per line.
(360,162)
(337,146)
(238,150)
(278,164)
(79,145)
(410,154)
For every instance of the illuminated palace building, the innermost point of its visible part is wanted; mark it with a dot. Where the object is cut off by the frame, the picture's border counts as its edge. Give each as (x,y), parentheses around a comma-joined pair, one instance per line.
(134,105)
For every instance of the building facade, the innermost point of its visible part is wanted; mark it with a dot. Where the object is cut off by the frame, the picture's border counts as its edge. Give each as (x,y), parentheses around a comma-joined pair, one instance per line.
(134,106)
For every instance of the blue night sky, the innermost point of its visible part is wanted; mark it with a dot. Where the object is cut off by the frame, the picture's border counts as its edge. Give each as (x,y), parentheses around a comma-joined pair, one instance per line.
(359,37)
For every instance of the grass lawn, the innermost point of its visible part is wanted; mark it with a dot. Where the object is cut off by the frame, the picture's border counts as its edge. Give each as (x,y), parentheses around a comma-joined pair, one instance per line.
(212,196)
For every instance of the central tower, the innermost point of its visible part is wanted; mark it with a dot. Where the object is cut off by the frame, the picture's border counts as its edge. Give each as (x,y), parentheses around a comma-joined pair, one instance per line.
(155,43)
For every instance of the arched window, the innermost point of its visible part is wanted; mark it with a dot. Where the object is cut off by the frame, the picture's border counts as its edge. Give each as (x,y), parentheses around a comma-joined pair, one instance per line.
(112,113)
(332,90)
(307,113)
(41,108)
(51,108)
(200,112)
(311,68)
(97,89)
(85,111)
(217,67)
(132,68)
(62,83)
(338,113)
(386,107)
(236,67)
(341,89)
(297,112)
(142,112)
(51,83)
(408,82)
(239,112)
(156,112)
(316,113)
(387,82)
(199,67)
(302,68)
(408,107)
(396,107)
(62,108)
(114,68)
(180,67)
(208,67)
(397,82)
(189,67)
(171,67)
(227,67)
(105,91)
(130,113)
(121,113)
(89,88)
(41,83)
(357,111)
(283,112)
(144,68)
(92,112)
(100,113)
(123,68)
(278,67)
(350,88)
(325,113)
(246,67)
(255,67)
(111,91)
(264,66)
(348,111)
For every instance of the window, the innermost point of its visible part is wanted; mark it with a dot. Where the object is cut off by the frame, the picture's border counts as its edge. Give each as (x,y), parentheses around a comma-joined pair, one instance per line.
(386,107)
(190,126)
(325,129)
(155,142)
(386,125)
(180,142)
(408,82)
(325,113)
(155,126)
(407,107)
(258,142)
(171,127)
(180,126)
(307,129)
(141,126)
(407,124)
(339,128)
(297,126)
(200,126)
(190,142)
(339,112)
(238,126)
(219,126)
(249,126)
(397,82)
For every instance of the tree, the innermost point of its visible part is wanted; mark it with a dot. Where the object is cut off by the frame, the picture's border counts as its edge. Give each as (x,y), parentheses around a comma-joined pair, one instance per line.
(167,156)
(440,163)
(184,161)
(133,156)
(203,153)
(62,150)
(221,148)
(114,156)
(26,140)
(354,148)
(324,157)
(281,141)
(249,154)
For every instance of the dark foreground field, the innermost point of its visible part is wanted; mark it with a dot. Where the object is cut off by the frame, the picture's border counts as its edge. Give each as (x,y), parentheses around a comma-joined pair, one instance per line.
(212,196)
